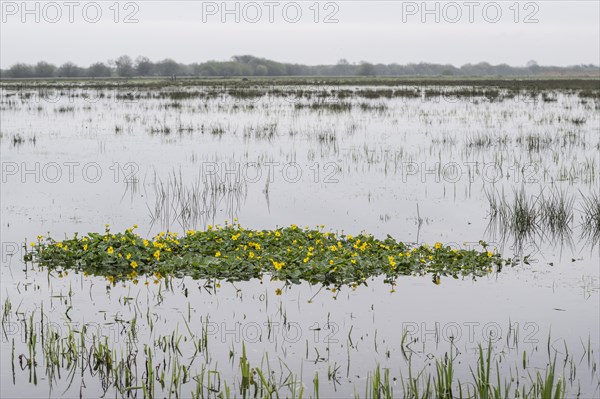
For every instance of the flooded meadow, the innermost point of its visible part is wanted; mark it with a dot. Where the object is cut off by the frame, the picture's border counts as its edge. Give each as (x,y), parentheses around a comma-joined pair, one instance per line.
(300,238)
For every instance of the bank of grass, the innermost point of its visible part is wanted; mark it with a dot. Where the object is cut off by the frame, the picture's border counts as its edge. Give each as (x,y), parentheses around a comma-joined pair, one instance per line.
(588,84)
(233,253)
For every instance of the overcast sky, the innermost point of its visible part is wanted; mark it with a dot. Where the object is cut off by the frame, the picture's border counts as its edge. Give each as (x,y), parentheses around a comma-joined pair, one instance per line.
(550,32)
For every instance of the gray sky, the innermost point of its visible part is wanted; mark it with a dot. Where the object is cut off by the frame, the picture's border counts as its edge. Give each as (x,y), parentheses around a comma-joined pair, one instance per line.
(550,32)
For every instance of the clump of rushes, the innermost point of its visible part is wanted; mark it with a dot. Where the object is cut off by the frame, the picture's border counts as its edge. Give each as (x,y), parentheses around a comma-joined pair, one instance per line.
(233,253)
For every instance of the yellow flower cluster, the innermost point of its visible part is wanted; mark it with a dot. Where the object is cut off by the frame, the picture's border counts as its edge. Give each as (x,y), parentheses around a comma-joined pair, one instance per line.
(312,255)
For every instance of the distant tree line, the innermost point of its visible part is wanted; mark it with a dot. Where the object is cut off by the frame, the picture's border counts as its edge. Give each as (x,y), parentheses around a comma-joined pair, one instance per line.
(247,65)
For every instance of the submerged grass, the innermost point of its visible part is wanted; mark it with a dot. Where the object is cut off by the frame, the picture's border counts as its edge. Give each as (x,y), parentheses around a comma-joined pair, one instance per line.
(70,359)
(233,253)
(549,215)
(591,218)
(518,216)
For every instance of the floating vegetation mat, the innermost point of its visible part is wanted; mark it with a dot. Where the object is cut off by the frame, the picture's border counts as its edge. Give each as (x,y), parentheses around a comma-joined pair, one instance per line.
(233,253)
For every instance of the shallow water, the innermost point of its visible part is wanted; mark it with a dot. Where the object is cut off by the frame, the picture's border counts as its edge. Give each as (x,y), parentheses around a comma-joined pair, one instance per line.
(417,169)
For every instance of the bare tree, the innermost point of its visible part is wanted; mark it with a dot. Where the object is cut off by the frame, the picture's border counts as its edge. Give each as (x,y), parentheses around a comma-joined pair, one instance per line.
(143,66)
(44,70)
(124,66)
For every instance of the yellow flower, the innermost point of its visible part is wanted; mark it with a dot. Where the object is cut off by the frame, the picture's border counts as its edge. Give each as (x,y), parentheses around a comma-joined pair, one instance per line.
(157,254)
(146,243)
(278,291)
(331,261)
(134,264)
(305,260)
(110,250)
(277,234)
(85,247)
(218,254)
(235,236)
(251,255)
(111,279)
(438,245)
(128,256)
(32,244)
(278,265)
(490,254)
